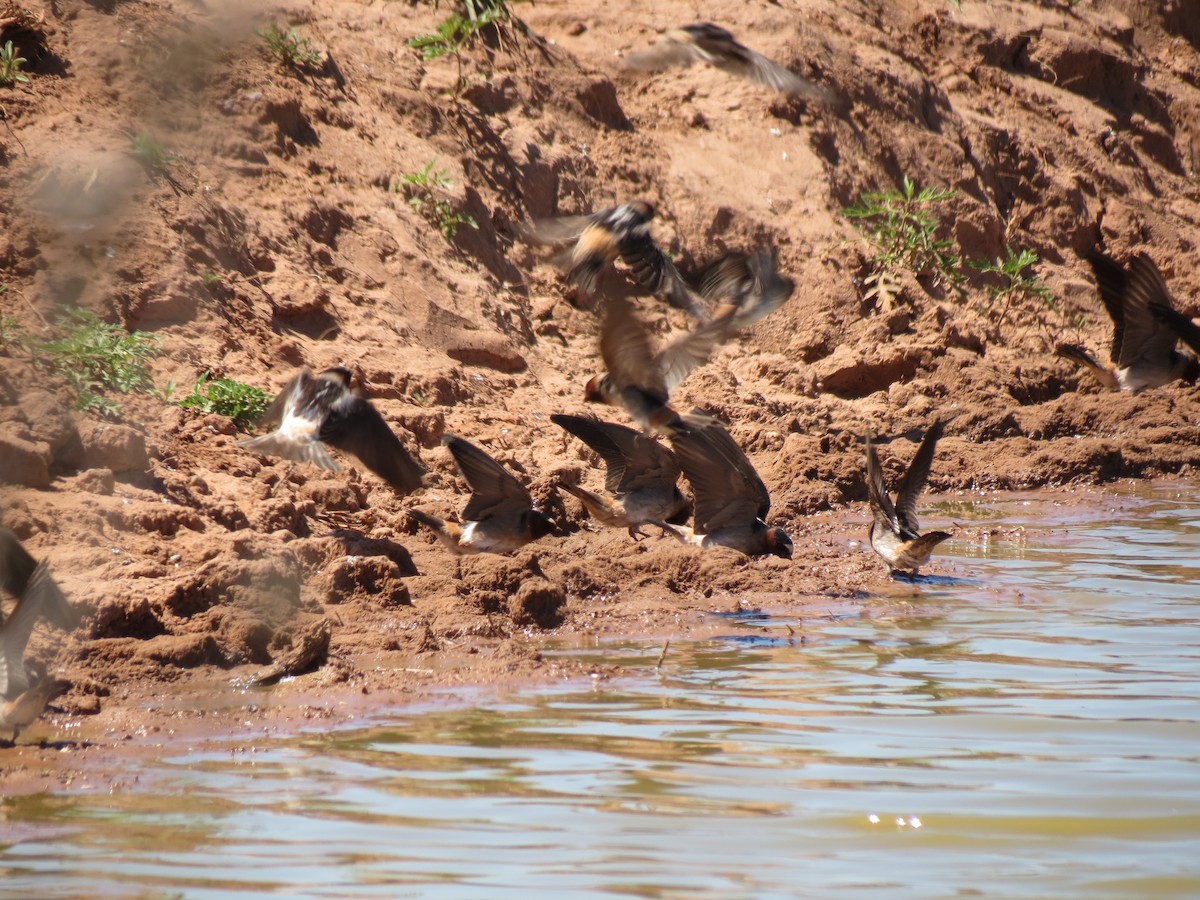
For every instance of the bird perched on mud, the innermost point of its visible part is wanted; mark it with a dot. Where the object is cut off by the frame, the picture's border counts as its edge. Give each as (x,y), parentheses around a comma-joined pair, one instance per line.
(499,516)
(708,43)
(731,501)
(23,710)
(596,240)
(312,411)
(749,281)
(894,532)
(37,596)
(1146,329)
(641,379)
(642,476)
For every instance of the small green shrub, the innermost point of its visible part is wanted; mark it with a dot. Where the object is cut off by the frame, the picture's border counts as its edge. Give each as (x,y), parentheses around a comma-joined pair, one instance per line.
(10,65)
(902,231)
(1012,280)
(421,186)
(150,152)
(243,403)
(289,48)
(95,356)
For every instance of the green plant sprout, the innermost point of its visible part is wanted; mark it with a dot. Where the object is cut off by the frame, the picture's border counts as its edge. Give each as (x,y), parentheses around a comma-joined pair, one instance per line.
(420,187)
(10,65)
(96,356)
(243,403)
(1015,282)
(288,47)
(902,230)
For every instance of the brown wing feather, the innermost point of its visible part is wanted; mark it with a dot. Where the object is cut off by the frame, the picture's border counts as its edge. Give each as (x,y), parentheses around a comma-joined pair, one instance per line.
(1146,336)
(494,489)
(727,489)
(682,354)
(1111,279)
(882,510)
(914,479)
(1182,325)
(633,459)
(355,426)
(625,346)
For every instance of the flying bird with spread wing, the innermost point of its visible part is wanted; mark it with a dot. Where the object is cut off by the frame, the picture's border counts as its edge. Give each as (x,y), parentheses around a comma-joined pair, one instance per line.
(499,516)
(895,532)
(38,596)
(313,411)
(642,478)
(591,242)
(638,377)
(1146,329)
(705,42)
(749,281)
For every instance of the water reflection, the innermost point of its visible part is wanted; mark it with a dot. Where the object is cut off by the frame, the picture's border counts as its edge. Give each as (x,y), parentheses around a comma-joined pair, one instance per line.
(1027,729)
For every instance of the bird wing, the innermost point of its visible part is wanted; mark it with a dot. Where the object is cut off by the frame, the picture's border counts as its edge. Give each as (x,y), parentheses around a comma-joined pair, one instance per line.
(770,74)
(655,271)
(285,400)
(633,460)
(693,348)
(727,489)
(494,489)
(882,510)
(16,565)
(1182,325)
(666,53)
(751,281)
(40,598)
(626,349)
(914,480)
(1146,336)
(1111,280)
(354,425)
(558,229)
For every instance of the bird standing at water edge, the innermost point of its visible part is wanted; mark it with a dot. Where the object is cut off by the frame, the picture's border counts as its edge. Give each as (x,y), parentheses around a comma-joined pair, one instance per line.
(894,532)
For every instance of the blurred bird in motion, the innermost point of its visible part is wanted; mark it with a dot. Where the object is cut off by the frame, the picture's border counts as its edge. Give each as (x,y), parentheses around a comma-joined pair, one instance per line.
(708,43)
(894,532)
(25,709)
(1146,329)
(600,238)
(38,596)
(312,411)
(499,516)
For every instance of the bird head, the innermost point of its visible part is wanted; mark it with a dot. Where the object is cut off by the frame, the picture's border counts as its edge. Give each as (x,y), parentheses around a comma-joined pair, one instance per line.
(597,389)
(779,543)
(541,524)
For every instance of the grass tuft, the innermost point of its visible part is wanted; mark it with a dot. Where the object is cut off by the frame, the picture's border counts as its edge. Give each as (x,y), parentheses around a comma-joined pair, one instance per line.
(243,403)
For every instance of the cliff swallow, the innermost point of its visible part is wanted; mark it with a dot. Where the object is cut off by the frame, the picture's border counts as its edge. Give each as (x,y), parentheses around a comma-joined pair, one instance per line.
(25,709)
(499,516)
(641,379)
(751,282)
(894,531)
(1143,353)
(37,596)
(642,476)
(709,43)
(731,500)
(312,411)
(596,240)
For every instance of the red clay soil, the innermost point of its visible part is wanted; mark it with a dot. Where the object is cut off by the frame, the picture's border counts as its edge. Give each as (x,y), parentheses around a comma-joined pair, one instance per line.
(280,235)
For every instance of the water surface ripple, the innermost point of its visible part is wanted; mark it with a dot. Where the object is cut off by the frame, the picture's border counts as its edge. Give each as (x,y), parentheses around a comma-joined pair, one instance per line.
(1027,728)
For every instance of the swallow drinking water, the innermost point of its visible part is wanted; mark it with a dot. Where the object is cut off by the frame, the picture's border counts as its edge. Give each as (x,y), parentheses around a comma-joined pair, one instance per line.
(642,476)
(37,596)
(894,531)
(622,232)
(312,411)
(1146,329)
(708,43)
(731,501)
(499,516)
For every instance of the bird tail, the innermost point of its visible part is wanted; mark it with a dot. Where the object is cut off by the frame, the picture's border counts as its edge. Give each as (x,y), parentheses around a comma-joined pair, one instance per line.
(596,505)
(276,444)
(1082,357)
(446,532)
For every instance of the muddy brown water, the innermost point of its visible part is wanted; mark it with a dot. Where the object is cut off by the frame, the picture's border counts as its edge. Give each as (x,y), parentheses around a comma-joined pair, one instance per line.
(1024,727)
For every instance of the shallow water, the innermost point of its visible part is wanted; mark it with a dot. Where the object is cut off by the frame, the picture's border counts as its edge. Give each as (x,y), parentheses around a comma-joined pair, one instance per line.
(1027,728)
